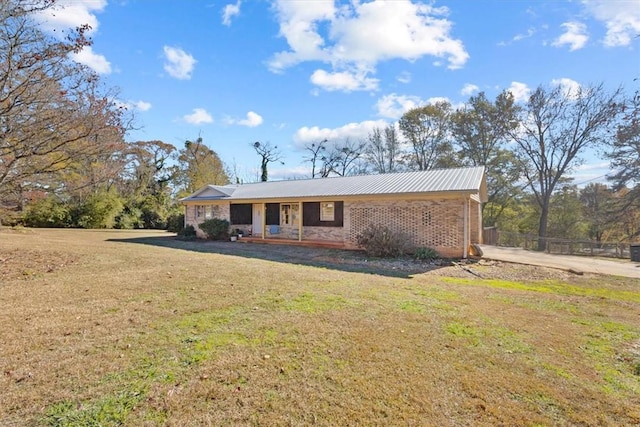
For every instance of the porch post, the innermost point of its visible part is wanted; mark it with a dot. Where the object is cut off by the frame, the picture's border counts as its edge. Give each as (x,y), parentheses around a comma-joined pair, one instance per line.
(300,221)
(465,226)
(264,221)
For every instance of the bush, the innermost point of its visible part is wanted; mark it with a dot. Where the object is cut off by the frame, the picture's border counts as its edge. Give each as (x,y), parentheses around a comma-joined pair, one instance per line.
(129,218)
(47,212)
(99,210)
(426,254)
(10,218)
(188,232)
(380,241)
(216,229)
(175,223)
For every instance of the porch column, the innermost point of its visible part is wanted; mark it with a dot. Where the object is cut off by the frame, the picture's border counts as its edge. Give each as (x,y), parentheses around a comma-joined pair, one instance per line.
(465,227)
(264,221)
(300,221)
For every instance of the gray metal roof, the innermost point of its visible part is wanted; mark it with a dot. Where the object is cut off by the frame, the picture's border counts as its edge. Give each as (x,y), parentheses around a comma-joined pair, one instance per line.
(467,180)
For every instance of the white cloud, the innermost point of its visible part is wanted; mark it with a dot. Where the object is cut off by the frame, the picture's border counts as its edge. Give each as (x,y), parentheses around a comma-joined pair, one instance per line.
(394,106)
(346,81)
(520,91)
(134,105)
(404,77)
(198,116)
(179,64)
(253,119)
(360,35)
(570,88)
(622,19)
(530,32)
(575,36)
(69,14)
(469,89)
(229,11)
(141,105)
(96,62)
(354,131)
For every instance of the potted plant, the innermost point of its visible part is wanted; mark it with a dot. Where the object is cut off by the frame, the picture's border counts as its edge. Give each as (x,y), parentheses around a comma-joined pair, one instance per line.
(233,236)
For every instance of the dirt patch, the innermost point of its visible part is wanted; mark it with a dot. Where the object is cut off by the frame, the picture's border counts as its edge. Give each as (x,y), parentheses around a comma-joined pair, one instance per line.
(31,264)
(404,266)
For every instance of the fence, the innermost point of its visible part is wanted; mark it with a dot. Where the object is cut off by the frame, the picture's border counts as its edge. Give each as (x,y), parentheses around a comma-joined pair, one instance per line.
(495,237)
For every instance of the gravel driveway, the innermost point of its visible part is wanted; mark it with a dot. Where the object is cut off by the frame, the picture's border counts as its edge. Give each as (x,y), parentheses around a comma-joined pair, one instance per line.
(616,267)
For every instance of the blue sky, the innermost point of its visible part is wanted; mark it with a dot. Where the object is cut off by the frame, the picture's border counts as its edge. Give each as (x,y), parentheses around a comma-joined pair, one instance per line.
(291,72)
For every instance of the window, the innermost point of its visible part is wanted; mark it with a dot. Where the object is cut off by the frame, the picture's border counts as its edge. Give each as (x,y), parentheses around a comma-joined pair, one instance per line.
(327,211)
(205,211)
(289,214)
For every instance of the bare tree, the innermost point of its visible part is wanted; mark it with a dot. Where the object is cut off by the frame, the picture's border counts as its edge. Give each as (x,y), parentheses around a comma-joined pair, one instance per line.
(625,147)
(343,158)
(317,155)
(556,127)
(268,154)
(383,150)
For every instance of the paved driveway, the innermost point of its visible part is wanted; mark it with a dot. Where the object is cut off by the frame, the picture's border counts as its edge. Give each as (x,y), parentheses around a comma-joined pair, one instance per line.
(616,267)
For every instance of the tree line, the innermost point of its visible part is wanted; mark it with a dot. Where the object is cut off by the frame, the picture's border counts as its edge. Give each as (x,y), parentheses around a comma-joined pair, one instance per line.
(65,161)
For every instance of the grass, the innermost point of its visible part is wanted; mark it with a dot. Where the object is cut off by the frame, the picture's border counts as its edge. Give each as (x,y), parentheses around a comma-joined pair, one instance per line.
(100,331)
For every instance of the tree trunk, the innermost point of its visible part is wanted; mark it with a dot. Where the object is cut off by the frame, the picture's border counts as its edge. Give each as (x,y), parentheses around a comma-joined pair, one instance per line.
(542,228)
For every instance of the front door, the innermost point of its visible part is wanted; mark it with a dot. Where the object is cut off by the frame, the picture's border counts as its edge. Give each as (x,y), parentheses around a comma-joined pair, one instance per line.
(256,226)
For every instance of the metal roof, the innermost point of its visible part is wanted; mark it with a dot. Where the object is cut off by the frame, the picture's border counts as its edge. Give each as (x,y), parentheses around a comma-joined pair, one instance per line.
(467,180)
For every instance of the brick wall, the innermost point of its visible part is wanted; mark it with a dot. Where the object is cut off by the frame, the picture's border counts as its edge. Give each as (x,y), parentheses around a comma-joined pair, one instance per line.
(219,210)
(333,234)
(474,222)
(438,223)
(284,232)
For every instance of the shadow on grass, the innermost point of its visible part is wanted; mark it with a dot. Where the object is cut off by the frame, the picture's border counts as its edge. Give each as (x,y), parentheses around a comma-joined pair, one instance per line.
(335,259)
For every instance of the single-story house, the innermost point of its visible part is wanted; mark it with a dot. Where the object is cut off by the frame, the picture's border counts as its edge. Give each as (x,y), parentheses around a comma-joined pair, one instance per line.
(440,209)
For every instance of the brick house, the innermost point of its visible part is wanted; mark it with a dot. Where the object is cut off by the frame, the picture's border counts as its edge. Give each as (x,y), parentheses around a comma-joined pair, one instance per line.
(438,208)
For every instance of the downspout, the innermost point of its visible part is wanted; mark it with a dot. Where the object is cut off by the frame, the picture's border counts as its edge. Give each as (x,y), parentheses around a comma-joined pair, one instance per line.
(300,221)
(465,226)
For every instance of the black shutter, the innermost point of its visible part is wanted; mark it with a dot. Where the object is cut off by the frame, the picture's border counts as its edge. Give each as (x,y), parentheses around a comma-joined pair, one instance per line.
(241,213)
(311,215)
(273,213)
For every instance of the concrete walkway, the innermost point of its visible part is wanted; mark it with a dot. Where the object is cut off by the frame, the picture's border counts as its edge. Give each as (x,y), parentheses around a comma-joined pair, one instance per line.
(615,267)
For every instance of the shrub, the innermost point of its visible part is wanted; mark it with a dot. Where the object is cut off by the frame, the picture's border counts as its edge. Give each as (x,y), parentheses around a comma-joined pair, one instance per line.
(380,241)
(215,229)
(10,218)
(47,212)
(175,223)
(99,210)
(426,254)
(129,218)
(188,232)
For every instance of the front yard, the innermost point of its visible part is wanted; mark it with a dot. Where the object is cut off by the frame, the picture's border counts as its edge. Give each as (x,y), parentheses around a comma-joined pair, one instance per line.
(137,328)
